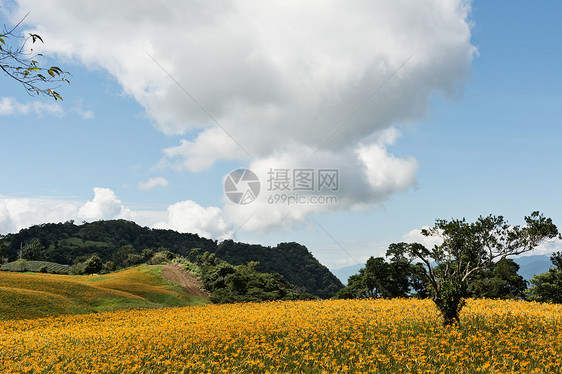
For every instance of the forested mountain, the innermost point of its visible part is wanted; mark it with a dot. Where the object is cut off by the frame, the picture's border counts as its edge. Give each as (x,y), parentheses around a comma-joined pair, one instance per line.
(125,242)
(307,273)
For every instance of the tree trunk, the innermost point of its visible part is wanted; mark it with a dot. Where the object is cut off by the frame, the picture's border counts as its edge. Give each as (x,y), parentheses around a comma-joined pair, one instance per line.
(449,318)
(450,308)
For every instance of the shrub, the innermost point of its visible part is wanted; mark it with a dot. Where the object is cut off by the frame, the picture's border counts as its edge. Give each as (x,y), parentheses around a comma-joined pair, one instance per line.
(93,265)
(133,259)
(162,257)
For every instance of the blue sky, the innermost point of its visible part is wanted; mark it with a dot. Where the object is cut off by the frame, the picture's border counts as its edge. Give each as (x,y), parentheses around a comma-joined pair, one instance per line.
(490,145)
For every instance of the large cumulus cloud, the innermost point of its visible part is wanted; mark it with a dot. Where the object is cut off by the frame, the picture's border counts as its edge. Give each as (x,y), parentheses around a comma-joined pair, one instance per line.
(313,83)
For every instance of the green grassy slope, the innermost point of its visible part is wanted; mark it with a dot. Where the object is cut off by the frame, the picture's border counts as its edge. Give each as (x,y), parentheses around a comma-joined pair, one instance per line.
(33,295)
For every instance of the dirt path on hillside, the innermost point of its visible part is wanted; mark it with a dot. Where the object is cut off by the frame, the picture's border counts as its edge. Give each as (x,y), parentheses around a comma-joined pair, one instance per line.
(176,274)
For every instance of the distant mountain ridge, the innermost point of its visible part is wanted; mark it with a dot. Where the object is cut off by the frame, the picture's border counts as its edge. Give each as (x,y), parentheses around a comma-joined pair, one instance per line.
(529,267)
(64,242)
(533,265)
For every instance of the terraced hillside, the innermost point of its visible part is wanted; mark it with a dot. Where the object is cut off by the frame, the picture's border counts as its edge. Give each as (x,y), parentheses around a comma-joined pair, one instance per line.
(36,266)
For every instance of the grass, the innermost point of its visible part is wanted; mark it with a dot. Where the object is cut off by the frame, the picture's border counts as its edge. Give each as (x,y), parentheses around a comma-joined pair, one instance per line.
(33,295)
(328,336)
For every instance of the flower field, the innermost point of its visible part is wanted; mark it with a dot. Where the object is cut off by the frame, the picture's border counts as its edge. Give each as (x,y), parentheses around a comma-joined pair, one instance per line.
(333,336)
(27,295)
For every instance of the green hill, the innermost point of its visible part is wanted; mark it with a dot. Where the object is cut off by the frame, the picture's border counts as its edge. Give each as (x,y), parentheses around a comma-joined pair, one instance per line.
(123,242)
(33,295)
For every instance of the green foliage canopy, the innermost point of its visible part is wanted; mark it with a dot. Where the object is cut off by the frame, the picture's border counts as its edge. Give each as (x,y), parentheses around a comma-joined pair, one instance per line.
(243,283)
(382,279)
(499,281)
(34,251)
(547,287)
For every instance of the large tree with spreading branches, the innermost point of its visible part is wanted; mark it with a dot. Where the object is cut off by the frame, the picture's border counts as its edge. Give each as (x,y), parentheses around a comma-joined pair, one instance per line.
(467,249)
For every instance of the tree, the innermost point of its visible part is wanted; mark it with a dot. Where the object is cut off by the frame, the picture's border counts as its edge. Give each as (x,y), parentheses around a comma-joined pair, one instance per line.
(147,253)
(162,257)
(93,265)
(3,251)
(547,287)
(121,256)
(380,278)
(20,62)
(34,251)
(467,249)
(133,259)
(228,283)
(109,266)
(499,281)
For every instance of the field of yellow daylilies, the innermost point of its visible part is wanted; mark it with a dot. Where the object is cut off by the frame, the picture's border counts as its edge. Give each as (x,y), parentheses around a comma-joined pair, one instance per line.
(332,336)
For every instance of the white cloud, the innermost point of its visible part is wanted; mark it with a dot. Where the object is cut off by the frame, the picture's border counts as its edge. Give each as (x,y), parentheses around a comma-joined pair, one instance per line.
(547,247)
(105,205)
(346,262)
(84,113)
(18,213)
(10,106)
(188,216)
(282,78)
(87,114)
(415,236)
(153,182)
(194,156)
(270,73)
(184,216)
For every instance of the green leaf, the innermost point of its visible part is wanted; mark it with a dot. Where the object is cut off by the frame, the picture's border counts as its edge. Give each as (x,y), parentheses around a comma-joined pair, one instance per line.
(34,37)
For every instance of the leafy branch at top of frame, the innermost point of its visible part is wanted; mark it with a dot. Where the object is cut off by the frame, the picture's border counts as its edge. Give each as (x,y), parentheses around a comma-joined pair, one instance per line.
(22,64)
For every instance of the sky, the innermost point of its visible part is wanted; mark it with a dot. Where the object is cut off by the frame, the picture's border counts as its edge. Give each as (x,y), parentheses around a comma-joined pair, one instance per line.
(347,125)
